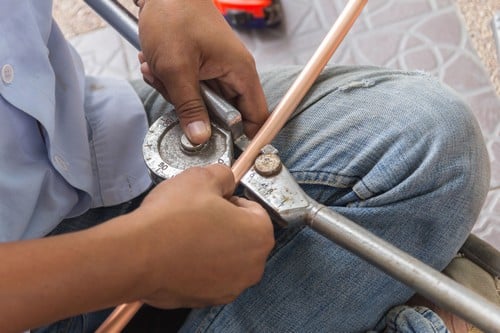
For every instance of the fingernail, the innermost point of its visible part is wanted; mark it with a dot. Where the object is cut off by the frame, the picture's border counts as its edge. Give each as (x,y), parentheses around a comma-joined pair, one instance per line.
(198,131)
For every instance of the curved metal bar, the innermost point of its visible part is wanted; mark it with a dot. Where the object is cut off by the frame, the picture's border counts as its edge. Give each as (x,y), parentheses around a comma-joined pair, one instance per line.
(119,18)
(285,200)
(427,281)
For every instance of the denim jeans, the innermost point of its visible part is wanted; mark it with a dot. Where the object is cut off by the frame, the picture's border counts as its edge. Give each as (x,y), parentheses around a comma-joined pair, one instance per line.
(413,320)
(394,151)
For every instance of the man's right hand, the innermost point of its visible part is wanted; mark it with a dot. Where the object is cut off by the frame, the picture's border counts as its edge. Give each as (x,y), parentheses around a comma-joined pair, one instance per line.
(190,244)
(185,42)
(205,246)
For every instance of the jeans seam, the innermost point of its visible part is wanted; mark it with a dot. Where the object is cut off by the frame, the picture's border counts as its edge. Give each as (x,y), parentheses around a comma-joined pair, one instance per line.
(432,321)
(327,176)
(328,181)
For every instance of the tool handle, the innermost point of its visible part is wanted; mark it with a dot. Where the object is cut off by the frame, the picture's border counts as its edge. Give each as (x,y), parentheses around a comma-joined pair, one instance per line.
(119,18)
(427,281)
(225,113)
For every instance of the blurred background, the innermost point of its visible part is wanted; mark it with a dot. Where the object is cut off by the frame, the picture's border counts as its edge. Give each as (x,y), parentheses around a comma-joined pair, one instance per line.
(453,40)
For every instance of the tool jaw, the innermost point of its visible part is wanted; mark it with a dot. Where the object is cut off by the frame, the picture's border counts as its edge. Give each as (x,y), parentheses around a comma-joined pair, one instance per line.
(280,194)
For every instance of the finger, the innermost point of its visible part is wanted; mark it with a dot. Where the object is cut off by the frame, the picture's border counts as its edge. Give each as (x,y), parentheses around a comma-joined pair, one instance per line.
(150,79)
(221,179)
(251,206)
(253,107)
(260,218)
(249,98)
(140,56)
(146,73)
(185,95)
(245,203)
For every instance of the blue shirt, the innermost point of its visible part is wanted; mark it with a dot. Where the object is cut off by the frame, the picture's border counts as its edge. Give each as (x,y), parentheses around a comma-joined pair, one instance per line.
(67,142)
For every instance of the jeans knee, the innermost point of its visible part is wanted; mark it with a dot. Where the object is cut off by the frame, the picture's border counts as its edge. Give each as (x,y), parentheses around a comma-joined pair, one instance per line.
(454,133)
(383,132)
(455,149)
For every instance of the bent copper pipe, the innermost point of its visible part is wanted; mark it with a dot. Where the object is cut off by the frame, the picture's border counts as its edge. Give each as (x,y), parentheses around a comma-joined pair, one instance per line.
(119,318)
(299,88)
(113,13)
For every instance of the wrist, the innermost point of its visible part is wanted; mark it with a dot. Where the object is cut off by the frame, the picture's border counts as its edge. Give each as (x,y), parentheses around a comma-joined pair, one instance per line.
(125,250)
(142,251)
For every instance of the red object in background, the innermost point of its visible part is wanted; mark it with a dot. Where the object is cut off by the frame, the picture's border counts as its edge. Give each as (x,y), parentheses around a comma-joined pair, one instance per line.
(250,13)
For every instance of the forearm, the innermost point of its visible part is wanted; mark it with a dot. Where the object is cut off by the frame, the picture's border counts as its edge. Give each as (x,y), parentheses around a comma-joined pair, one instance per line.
(49,279)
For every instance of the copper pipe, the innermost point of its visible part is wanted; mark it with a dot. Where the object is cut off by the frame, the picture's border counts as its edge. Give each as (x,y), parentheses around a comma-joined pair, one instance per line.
(124,313)
(299,88)
(119,318)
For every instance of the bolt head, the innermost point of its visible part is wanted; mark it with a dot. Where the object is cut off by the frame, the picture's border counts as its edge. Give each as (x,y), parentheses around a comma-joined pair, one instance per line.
(268,165)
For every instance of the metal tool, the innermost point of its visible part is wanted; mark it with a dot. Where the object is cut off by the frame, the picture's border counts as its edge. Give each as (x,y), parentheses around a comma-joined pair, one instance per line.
(270,183)
(167,151)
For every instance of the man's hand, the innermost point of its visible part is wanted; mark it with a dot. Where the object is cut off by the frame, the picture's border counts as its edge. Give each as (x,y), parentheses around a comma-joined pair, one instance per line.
(184,42)
(188,245)
(207,247)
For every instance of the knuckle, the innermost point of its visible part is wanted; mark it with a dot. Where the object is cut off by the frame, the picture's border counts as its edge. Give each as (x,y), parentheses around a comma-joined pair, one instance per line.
(172,66)
(249,60)
(190,109)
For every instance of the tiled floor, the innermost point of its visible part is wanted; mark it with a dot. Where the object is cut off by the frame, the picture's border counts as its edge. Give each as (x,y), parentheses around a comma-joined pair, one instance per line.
(408,34)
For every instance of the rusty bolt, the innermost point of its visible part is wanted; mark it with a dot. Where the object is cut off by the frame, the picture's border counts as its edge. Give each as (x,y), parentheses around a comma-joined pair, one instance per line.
(268,165)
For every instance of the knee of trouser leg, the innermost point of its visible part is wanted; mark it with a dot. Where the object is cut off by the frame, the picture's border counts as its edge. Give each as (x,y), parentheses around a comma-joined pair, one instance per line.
(455,142)
(429,149)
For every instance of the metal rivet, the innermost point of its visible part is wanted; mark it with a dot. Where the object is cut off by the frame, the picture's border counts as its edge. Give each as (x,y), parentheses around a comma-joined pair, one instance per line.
(268,165)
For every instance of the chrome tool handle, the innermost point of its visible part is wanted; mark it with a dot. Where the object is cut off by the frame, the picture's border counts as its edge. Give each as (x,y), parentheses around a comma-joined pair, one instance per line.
(427,281)
(119,18)
(275,188)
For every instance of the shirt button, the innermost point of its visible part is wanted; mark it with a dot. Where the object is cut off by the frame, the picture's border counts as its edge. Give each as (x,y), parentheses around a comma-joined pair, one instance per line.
(7,74)
(60,163)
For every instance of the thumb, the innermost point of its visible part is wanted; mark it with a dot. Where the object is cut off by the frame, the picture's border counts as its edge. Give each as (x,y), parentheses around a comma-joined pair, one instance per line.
(184,94)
